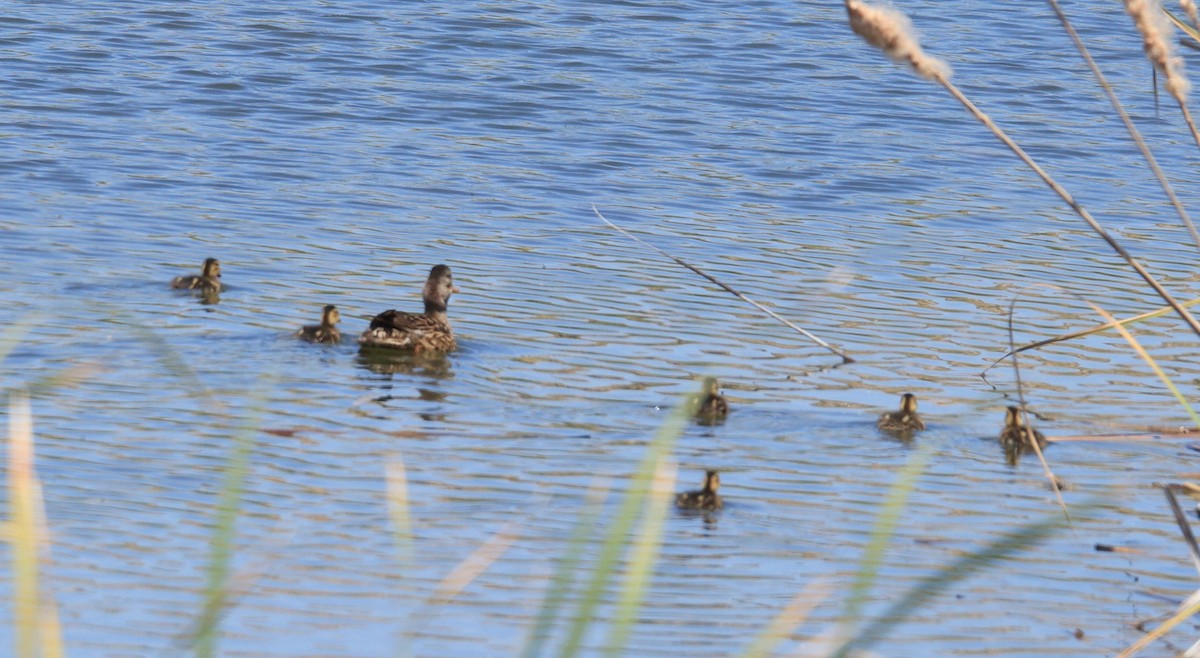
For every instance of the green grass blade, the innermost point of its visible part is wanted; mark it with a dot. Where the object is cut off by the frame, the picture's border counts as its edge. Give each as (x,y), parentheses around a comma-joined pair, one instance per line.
(627,513)
(643,556)
(564,573)
(216,592)
(1022,538)
(885,526)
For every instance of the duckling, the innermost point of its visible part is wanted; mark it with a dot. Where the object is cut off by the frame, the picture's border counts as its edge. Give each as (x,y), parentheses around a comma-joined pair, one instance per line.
(1014,438)
(713,405)
(419,332)
(905,420)
(706,498)
(326,332)
(208,282)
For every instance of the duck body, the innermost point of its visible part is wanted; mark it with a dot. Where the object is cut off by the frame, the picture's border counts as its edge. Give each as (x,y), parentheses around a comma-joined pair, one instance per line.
(703,499)
(905,420)
(327,331)
(208,281)
(417,332)
(712,405)
(1014,438)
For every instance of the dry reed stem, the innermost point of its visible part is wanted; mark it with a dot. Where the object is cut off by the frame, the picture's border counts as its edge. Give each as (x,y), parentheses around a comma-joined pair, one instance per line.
(1083,213)
(1129,127)
(1023,417)
(890,31)
(1189,7)
(475,564)
(845,357)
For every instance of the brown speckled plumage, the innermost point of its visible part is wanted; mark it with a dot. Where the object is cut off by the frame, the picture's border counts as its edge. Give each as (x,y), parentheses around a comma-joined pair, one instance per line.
(419,332)
(208,281)
(713,405)
(704,499)
(906,419)
(1014,438)
(327,331)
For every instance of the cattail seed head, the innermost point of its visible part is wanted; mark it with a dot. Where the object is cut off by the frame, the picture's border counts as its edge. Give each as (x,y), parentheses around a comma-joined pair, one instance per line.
(1189,8)
(890,31)
(1155,29)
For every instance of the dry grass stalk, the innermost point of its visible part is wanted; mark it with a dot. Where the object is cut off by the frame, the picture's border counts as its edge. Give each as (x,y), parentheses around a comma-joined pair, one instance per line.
(878,37)
(845,357)
(1129,127)
(890,31)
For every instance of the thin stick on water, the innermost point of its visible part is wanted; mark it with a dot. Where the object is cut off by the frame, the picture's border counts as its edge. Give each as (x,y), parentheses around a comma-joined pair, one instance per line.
(1086,332)
(1129,127)
(845,358)
(1184,526)
(888,30)
(1024,417)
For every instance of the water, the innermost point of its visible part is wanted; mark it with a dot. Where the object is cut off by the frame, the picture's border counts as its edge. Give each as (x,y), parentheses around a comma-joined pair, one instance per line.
(331,153)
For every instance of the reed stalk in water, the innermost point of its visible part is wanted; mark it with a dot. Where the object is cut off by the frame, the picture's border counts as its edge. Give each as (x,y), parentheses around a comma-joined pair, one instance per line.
(845,357)
(1129,127)
(890,31)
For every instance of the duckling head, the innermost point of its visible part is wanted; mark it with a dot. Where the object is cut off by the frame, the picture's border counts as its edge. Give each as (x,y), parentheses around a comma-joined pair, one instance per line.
(908,403)
(211,268)
(1012,417)
(712,481)
(330,315)
(711,387)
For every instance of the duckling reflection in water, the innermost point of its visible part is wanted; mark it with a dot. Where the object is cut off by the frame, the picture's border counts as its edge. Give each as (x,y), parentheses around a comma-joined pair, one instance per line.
(208,282)
(327,331)
(1014,438)
(906,420)
(417,332)
(712,406)
(704,499)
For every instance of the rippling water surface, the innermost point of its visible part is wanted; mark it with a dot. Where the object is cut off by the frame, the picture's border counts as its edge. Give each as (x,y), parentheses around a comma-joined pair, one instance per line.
(333,152)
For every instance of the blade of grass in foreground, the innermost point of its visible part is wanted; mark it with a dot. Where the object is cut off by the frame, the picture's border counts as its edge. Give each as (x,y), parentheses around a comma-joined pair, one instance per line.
(396,483)
(216,592)
(1149,361)
(643,555)
(564,573)
(627,513)
(1022,538)
(37,632)
(881,534)
(1189,608)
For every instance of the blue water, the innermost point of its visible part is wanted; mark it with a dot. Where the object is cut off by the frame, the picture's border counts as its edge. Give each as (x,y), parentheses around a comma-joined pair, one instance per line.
(332,153)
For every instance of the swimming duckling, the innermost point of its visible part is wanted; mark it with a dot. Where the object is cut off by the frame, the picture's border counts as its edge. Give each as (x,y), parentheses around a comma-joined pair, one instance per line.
(326,332)
(1014,438)
(706,498)
(905,420)
(713,405)
(208,282)
(420,332)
